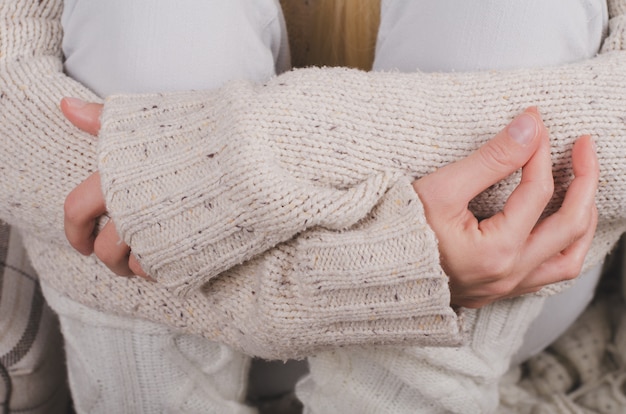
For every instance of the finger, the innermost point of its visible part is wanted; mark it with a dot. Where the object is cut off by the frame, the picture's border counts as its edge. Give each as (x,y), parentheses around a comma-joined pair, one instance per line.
(85,116)
(82,208)
(136,268)
(575,217)
(112,251)
(508,151)
(527,202)
(565,265)
(560,258)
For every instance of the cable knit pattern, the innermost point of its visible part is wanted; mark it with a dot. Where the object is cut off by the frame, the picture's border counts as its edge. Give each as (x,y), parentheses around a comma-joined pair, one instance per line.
(207,183)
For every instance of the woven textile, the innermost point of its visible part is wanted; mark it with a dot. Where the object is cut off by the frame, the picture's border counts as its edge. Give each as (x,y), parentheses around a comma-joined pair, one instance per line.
(32,367)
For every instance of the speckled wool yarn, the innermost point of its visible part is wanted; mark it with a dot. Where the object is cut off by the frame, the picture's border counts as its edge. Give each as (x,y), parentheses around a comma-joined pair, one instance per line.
(207,183)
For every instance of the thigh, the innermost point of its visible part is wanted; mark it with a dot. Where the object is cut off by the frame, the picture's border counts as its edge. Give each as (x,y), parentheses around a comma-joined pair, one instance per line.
(452,35)
(125,365)
(140,46)
(460,380)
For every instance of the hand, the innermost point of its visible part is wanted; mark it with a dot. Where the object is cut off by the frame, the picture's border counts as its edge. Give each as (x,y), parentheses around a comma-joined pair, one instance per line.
(511,253)
(85,205)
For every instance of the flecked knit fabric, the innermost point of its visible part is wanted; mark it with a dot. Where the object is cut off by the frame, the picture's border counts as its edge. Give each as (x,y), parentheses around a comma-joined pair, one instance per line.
(295,153)
(207,183)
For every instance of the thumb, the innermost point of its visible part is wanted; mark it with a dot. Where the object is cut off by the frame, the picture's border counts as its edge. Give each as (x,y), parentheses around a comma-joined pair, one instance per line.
(85,116)
(508,151)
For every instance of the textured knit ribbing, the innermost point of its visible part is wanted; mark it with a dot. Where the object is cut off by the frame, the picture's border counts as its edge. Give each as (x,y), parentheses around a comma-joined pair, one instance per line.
(265,307)
(272,308)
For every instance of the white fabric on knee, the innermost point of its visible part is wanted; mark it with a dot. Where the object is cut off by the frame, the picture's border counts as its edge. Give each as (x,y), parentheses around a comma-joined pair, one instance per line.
(124,365)
(421,379)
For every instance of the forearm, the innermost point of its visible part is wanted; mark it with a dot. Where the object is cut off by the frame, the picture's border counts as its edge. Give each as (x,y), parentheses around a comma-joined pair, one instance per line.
(43,156)
(297,152)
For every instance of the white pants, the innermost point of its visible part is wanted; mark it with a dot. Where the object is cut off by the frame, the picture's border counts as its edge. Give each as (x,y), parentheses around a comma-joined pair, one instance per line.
(124,365)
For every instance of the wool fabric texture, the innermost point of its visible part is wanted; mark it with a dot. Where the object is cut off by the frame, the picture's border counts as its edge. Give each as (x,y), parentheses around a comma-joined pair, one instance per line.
(297,193)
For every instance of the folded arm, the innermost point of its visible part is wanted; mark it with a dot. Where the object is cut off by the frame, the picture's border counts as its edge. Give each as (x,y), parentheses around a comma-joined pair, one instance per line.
(57,158)
(42,156)
(247,167)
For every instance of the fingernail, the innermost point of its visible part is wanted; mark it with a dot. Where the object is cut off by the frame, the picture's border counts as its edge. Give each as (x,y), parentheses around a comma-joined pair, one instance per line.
(523,128)
(594,145)
(75,103)
(532,109)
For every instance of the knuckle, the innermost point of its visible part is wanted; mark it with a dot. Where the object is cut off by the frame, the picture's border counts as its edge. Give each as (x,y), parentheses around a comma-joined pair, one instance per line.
(499,266)
(503,288)
(496,156)
(106,255)
(579,229)
(545,189)
(572,268)
(71,208)
(570,275)
(582,220)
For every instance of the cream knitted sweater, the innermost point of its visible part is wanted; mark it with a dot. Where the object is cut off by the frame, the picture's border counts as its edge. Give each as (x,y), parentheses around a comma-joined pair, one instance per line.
(203,184)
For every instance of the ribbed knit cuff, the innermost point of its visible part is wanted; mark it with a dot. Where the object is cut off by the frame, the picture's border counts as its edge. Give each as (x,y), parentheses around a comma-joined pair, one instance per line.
(195,192)
(385,267)
(379,282)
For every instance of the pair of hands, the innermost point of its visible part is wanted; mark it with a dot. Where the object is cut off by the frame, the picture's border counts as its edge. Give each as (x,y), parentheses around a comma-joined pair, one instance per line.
(507,255)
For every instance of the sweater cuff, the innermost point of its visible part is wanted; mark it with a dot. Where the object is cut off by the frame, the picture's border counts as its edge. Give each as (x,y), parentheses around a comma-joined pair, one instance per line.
(380,282)
(194,196)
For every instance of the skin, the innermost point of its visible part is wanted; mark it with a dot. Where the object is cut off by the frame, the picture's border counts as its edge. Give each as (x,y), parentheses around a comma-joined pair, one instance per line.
(507,255)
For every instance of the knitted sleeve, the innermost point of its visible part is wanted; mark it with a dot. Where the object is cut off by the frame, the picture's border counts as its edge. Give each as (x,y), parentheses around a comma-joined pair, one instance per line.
(373,284)
(198,182)
(43,157)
